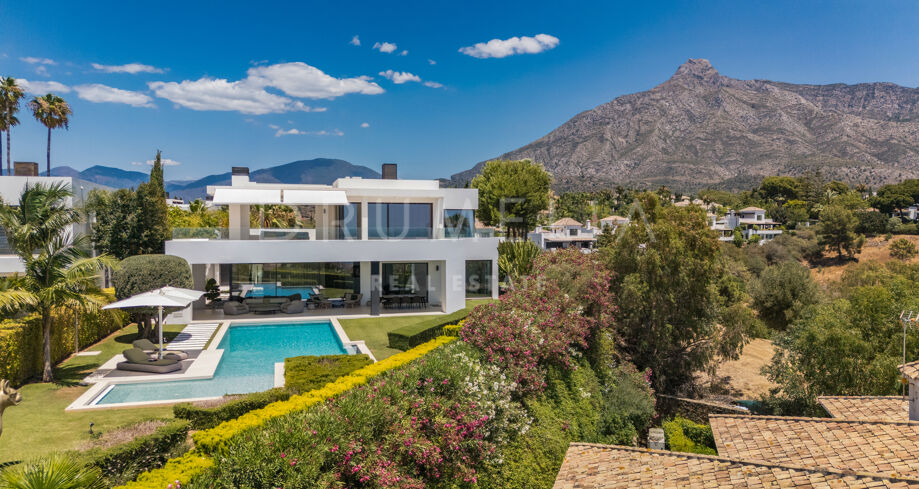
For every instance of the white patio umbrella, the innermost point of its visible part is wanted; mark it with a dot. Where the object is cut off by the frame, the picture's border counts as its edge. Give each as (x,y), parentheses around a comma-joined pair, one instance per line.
(159,298)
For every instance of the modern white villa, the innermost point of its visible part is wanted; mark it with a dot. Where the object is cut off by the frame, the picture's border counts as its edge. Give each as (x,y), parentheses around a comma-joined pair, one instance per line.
(565,233)
(375,243)
(11,187)
(752,221)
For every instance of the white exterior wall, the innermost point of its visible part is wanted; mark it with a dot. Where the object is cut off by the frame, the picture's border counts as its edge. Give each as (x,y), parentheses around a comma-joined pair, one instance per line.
(449,254)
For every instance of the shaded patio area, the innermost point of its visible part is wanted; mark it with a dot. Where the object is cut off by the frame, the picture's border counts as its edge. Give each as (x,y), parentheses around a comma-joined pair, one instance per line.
(208,314)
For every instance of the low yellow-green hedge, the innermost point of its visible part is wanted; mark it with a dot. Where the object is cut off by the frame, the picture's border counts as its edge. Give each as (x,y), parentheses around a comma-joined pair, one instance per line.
(196,462)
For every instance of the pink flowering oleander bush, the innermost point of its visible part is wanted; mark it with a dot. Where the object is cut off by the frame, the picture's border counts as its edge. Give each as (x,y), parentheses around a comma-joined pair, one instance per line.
(549,319)
(430,424)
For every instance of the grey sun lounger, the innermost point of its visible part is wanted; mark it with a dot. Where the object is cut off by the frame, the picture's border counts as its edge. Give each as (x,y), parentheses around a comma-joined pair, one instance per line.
(138,361)
(150,348)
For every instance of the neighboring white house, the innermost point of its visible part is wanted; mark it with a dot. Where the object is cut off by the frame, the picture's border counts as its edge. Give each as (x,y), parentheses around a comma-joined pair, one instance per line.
(374,237)
(11,187)
(565,233)
(613,223)
(752,221)
(179,203)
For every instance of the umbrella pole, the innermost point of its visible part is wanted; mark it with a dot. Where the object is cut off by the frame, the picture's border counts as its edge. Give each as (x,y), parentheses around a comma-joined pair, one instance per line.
(160,324)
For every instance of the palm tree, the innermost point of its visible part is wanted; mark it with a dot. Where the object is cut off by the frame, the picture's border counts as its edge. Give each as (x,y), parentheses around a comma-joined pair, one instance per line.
(10,93)
(53,112)
(54,472)
(58,270)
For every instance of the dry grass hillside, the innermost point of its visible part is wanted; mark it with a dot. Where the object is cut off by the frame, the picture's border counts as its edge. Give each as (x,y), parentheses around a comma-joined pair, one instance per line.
(875,249)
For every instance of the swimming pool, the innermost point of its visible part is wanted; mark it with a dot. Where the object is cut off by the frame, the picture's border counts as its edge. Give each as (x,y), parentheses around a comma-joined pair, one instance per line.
(247,365)
(272,289)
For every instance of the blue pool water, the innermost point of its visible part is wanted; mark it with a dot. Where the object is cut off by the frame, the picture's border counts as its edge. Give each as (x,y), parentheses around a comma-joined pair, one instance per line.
(272,289)
(247,365)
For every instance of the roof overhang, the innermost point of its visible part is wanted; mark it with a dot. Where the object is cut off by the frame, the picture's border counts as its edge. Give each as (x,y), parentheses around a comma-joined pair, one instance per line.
(224,196)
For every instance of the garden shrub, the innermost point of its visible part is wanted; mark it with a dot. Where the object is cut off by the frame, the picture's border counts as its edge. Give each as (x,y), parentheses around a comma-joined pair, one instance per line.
(202,418)
(628,405)
(181,469)
(305,373)
(684,435)
(453,329)
(123,462)
(142,273)
(429,424)
(21,340)
(415,334)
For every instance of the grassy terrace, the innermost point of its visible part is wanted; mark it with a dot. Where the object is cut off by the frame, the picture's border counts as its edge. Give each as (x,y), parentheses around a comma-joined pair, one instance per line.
(373,330)
(39,424)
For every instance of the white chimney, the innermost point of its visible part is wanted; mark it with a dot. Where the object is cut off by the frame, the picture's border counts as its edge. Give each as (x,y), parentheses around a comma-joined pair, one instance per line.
(239,176)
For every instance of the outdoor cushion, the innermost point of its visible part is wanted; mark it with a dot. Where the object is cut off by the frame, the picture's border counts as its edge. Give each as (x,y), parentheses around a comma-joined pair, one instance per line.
(293,307)
(136,355)
(150,347)
(233,308)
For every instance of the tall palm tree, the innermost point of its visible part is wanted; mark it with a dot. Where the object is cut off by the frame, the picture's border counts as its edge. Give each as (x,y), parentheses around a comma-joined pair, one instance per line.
(59,272)
(53,112)
(10,94)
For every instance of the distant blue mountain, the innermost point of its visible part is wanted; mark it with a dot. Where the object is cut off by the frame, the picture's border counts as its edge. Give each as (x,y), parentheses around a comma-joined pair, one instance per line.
(316,171)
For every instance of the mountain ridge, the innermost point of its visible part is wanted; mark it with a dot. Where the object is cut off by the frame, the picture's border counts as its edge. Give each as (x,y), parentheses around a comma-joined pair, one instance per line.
(703,129)
(314,171)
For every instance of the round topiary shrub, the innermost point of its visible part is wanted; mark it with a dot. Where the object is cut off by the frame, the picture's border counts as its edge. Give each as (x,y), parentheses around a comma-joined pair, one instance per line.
(143,273)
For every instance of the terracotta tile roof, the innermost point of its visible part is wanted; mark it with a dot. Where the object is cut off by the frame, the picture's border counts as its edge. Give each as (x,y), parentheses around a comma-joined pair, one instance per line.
(566,221)
(882,447)
(609,466)
(614,219)
(893,408)
(910,370)
(752,209)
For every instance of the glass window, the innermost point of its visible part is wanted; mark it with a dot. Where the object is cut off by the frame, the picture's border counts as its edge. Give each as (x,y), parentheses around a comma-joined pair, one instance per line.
(405,279)
(401,221)
(348,221)
(459,223)
(331,279)
(478,278)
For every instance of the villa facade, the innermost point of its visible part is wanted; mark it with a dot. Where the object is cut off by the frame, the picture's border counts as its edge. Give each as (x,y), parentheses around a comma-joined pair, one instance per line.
(751,221)
(11,188)
(370,239)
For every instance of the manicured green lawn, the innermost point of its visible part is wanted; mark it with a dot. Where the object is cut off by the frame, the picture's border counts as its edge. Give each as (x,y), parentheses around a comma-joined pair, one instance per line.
(39,424)
(373,330)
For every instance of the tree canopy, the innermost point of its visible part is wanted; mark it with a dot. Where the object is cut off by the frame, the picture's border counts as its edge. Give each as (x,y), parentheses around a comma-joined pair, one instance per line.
(512,194)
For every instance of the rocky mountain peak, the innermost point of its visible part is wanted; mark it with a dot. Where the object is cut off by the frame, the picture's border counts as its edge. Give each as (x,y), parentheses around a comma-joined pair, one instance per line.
(697,69)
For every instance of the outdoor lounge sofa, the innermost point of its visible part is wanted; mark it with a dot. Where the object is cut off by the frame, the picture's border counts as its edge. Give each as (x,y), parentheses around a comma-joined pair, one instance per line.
(352,300)
(138,361)
(293,307)
(232,308)
(150,348)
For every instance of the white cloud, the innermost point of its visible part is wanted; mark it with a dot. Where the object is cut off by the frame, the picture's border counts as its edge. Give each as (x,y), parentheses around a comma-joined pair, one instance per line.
(38,61)
(385,47)
(365,125)
(431,62)
(103,93)
(132,68)
(404,52)
(42,71)
(42,87)
(433,84)
(274,126)
(297,132)
(220,94)
(164,161)
(305,81)
(400,77)
(355,41)
(497,48)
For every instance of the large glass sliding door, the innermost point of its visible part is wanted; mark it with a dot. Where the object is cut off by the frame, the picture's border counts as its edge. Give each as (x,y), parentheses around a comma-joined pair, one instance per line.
(399,221)
(405,279)
(331,279)
(478,278)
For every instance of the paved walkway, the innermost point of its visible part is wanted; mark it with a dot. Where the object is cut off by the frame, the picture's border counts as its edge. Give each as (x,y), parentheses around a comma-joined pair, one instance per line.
(193,337)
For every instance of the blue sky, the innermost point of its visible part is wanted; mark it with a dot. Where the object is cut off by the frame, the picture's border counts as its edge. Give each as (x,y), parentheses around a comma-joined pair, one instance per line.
(266,62)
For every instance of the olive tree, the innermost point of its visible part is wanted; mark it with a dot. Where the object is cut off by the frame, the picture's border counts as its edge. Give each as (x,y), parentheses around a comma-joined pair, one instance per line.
(143,273)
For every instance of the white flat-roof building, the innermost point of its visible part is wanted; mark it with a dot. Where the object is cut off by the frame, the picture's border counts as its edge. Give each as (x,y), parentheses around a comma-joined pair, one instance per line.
(386,239)
(11,187)
(752,221)
(565,233)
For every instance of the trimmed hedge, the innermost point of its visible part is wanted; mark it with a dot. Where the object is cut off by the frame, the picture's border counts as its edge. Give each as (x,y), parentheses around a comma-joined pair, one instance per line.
(21,354)
(684,435)
(195,462)
(453,329)
(124,462)
(305,373)
(415,334)
(204,418)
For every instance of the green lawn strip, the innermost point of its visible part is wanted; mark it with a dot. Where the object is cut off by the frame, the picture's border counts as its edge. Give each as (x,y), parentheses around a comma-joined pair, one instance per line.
(374,330)
(39,425)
